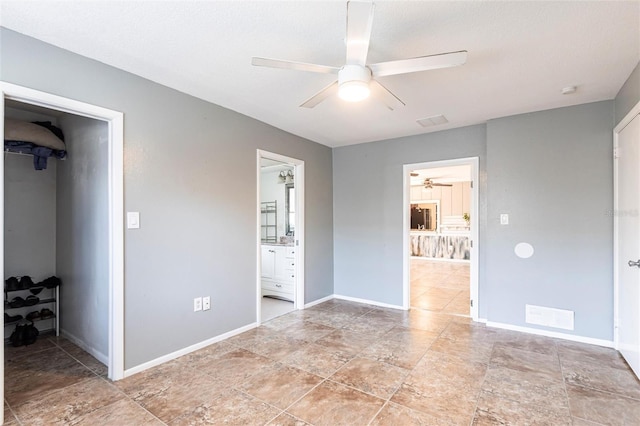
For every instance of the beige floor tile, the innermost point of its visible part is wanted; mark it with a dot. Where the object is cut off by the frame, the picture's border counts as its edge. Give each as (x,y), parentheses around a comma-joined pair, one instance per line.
(527,342)
(493,410)
(603,407)
(333,404)
(315,359)
(395,415)
(307,331)
(280,385)
(468,350)
(371,376)
(182,397)
(46,371)
(67,405)
(574,351)
(149,383)
(545,366)
(401,347)
(285,419)
(425,320)
(12,353)
(231,408)
(345,342)
(123,412)
(235,366)
(524,387)
(601,377)
(438,401)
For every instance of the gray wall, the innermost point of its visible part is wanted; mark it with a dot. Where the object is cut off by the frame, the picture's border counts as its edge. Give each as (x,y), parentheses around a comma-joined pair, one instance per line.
(30,218)
(552,172)
(629,95)
(368,208)
(190,170)
(82,255)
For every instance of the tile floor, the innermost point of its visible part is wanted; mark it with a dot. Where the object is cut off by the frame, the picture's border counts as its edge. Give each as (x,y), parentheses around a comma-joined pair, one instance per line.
(440,286)
(337,363)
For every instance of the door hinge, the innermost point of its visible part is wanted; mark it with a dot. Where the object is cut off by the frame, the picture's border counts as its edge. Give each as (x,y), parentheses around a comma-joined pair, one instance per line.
(471,243)
(616,152)
(472,184)
(472,303)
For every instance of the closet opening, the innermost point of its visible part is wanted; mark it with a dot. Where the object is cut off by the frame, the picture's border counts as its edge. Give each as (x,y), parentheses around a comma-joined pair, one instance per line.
(62,257)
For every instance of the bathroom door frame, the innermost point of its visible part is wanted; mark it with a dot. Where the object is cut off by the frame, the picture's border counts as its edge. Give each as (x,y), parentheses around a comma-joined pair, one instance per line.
(473,162)
(115,122)
(298,172)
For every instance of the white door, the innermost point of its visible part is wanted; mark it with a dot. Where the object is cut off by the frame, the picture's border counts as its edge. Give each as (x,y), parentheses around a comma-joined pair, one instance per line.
(628,243)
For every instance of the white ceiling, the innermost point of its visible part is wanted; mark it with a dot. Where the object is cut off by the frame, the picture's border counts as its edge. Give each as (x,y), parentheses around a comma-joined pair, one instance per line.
(521,54)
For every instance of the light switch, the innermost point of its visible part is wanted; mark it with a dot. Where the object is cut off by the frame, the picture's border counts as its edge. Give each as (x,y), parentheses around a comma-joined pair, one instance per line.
(133,220)
(504,219)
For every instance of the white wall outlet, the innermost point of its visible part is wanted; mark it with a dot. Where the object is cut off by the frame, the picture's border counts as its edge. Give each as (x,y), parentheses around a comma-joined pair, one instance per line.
(206,303)
(133,220)
(197,304)
(504,219)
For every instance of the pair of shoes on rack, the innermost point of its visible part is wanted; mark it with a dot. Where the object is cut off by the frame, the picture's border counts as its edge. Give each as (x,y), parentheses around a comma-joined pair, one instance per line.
(13,284)
(44,313)
(19,302)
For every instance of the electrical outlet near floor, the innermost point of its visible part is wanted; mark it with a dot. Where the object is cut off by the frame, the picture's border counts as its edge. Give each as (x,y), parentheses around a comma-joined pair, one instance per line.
(206,303)
(197,304)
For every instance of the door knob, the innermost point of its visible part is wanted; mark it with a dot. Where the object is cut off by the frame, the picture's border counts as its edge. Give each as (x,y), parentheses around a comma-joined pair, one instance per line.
(632,263)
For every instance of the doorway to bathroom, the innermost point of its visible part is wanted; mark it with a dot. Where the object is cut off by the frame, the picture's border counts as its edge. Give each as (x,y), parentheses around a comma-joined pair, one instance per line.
(280,206)
(440,231)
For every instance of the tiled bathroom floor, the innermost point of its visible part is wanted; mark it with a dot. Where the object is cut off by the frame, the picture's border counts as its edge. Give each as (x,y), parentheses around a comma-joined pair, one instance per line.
(338,363)
(440,286)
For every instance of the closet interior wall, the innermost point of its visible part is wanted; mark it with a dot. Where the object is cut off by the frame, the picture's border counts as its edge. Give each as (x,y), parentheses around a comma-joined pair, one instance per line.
(56,223)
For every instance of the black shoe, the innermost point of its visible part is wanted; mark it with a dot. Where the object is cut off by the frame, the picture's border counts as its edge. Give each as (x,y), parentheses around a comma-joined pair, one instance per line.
(26,282)
(11,284)
(33,315)
(51,282)
(31,300)
(17,302)
(11,318)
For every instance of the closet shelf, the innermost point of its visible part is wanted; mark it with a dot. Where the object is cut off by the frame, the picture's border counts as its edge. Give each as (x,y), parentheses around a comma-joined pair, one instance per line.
(6,324)
(41,302)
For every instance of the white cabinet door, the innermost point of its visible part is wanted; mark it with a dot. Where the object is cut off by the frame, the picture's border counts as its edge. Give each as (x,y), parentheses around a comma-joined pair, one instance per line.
(628,205)
(279,263)
(268,262)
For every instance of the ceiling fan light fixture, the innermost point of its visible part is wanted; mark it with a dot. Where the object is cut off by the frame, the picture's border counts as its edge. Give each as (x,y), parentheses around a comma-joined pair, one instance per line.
(354,91)
(353,83)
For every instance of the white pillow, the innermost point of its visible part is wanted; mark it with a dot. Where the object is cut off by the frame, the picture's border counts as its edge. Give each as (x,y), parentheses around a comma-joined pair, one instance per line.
(16,130)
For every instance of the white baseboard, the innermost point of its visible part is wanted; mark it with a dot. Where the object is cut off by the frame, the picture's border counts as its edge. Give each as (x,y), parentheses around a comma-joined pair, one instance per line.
(82,345)
(368,302)
(318,301)
(173,355)
(555,334)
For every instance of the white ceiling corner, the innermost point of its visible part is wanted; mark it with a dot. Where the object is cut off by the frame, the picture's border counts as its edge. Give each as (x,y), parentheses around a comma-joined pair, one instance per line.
(521,54)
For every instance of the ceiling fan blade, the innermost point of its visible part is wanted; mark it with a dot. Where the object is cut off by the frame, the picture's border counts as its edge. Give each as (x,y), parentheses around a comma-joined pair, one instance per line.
(423,63)
(359,21)
(330,90)
(384,95)
(291,65)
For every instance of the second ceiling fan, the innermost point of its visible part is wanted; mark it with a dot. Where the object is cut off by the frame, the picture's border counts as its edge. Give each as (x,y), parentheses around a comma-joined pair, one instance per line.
(357,79)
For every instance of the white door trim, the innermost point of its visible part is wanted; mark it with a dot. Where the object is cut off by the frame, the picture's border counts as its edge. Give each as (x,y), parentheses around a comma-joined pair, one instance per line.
(299,186)
(406,224)
(115,121)
(616,134)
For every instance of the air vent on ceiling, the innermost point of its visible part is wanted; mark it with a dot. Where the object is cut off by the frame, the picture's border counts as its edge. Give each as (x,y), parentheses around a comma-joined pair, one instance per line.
(434,120)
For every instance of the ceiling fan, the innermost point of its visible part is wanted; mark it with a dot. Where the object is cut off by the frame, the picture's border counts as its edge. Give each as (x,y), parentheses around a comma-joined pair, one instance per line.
(429,183)
(357,79)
